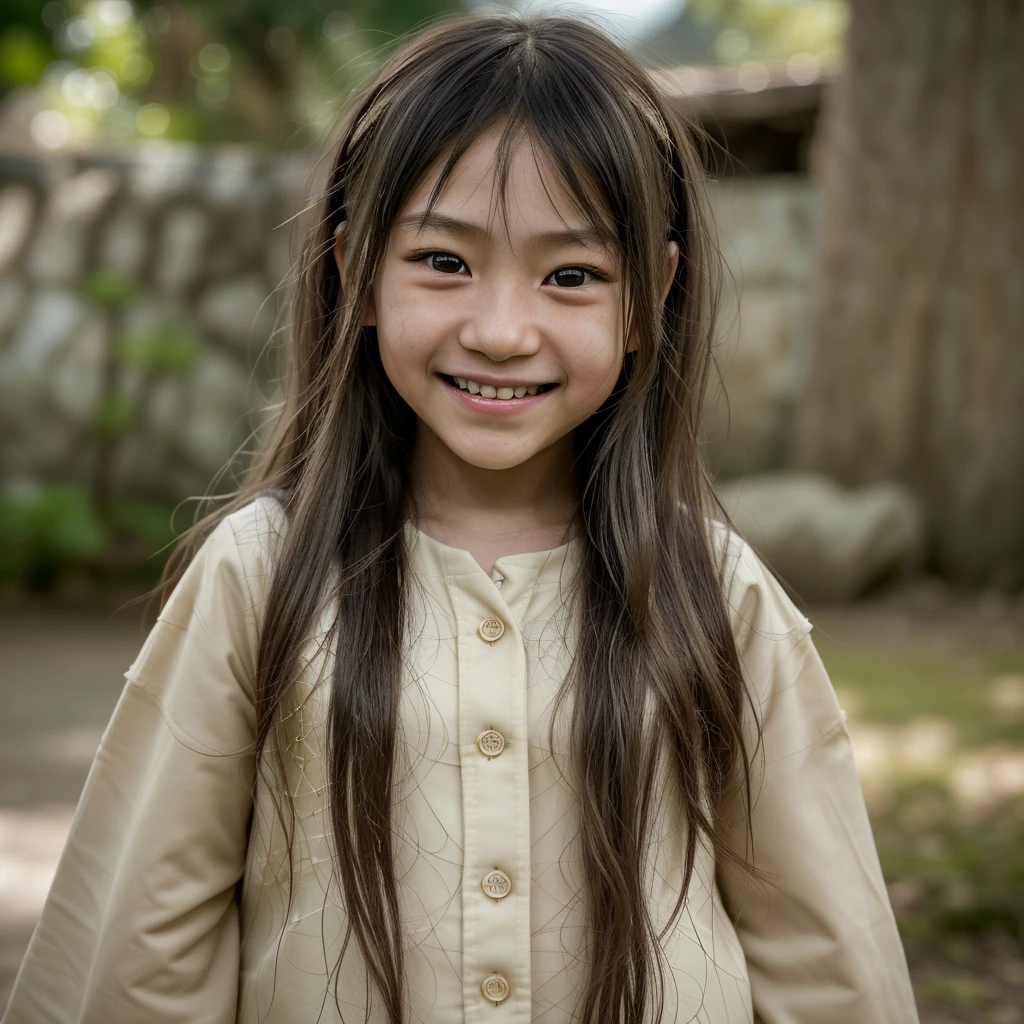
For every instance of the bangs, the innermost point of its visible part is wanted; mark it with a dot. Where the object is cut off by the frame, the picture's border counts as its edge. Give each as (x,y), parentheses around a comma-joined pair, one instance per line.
(558,168)
(547,89)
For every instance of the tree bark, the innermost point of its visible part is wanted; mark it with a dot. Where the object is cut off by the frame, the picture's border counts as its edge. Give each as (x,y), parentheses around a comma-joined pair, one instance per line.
(918,371)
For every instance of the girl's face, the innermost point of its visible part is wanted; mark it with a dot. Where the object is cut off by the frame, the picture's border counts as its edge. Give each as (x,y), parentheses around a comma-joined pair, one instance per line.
(501,345)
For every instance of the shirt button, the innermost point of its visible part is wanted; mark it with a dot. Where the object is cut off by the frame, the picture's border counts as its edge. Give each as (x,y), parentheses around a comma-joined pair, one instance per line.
(490,743)
(496,988)
(496,884)
(491,629)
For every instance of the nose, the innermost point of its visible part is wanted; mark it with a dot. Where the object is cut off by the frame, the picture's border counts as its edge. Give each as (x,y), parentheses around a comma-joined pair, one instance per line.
(501,324)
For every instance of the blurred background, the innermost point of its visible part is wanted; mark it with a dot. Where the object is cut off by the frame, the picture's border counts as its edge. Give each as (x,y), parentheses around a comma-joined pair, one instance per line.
(865,431)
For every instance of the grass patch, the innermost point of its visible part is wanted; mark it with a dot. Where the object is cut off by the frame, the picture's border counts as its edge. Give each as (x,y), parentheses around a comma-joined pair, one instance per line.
(955,872)
(896,687)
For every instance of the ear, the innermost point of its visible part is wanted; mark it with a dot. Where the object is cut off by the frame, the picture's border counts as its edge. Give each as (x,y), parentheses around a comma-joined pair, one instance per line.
(670,273)
(670,269)
(369,310)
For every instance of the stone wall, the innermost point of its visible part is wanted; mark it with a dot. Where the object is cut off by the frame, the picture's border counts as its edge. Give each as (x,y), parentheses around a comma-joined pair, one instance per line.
(767,231)
(207,237)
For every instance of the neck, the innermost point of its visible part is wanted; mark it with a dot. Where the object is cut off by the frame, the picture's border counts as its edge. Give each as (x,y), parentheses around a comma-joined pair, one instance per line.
(457,501)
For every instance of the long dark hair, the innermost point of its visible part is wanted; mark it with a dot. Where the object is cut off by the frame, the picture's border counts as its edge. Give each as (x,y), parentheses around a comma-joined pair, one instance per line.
(653,628)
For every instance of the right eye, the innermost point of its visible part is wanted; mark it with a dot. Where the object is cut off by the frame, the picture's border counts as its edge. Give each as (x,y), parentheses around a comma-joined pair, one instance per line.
(443,262)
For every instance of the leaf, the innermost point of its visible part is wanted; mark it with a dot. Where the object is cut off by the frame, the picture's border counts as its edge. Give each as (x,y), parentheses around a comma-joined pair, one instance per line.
(113,415)
(171,347)
(110,289)
(150,521)
(46,530)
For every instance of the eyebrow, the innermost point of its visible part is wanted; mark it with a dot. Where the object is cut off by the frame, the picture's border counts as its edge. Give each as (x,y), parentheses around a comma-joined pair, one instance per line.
(585,236)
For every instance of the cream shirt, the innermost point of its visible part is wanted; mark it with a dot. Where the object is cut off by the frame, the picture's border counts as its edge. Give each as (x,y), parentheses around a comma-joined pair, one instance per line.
(167,905)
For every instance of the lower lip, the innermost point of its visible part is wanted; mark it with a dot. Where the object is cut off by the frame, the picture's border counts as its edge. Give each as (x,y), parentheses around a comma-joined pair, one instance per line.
(496,406)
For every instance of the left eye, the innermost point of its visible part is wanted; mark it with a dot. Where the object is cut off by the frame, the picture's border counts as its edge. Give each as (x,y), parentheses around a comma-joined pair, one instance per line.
(579,275)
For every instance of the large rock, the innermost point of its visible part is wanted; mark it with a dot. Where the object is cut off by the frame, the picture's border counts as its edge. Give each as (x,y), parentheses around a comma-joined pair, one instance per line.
(824,542)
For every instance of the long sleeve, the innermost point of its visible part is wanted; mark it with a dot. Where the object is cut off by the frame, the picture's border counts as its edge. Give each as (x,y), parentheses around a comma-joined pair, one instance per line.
(141,922)
(817,928)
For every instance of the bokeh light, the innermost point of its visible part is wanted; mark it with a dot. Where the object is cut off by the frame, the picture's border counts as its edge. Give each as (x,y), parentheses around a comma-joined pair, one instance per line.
(152,119)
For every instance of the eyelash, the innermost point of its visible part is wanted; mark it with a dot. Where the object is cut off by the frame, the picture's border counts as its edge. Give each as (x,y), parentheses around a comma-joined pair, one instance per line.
(593,271)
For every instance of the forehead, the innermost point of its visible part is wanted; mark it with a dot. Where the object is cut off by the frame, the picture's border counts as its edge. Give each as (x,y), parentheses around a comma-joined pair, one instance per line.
(538,204)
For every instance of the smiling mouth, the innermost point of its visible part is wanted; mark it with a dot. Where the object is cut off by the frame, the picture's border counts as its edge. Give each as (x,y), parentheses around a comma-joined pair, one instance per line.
(506,394)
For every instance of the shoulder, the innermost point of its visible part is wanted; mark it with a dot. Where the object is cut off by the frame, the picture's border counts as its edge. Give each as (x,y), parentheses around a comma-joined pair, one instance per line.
(759,607)
(202,647)
(793,701)
(250,536)
(231,568)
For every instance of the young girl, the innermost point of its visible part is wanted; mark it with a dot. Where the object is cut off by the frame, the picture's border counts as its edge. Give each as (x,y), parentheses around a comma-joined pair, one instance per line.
(468,709)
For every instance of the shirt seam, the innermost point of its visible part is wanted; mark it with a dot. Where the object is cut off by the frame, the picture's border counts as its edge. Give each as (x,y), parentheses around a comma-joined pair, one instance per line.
(182,736)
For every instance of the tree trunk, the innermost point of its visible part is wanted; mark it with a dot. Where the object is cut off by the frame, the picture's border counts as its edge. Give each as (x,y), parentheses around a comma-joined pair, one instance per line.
(918,373)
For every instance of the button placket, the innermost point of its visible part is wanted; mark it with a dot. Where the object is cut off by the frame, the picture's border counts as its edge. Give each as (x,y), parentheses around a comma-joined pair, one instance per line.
(496,922)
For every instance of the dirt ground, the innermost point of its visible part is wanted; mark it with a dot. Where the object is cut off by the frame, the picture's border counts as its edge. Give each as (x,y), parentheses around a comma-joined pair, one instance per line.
(61,671)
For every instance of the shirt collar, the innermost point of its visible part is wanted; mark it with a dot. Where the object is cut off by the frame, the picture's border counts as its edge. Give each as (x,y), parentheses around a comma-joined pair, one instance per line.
(531,568)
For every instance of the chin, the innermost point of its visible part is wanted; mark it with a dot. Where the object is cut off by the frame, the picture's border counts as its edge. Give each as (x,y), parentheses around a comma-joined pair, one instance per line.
(495,461)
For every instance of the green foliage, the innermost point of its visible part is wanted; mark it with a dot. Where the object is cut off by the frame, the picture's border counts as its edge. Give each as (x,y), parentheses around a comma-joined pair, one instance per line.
(172,347)
(259,71)
(109,289)
(50,530)
(23,56)
(148,521)
(45,531)
(113,415)
(773,30)
(899,688)
(952,861)
(956,876)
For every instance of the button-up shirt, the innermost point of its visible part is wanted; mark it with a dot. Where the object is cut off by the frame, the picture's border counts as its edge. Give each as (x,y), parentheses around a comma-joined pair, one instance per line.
(170,902)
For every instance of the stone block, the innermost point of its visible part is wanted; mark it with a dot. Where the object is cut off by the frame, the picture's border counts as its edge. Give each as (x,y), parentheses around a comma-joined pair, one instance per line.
(228,180)
(161,172)
(762,358)
(181,249)
(53,316)
(238,242)
(124,242)
(17,212)
(220,383)
(204,440)
(75,378)
(165,410)
(13,295)
(240,312)
(766,228)
(58,253)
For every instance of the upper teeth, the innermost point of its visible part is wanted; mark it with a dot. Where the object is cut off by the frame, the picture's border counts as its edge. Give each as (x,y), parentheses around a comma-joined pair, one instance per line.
(489,391)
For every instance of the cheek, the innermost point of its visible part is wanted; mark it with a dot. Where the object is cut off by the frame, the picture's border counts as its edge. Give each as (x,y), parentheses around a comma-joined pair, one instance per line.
(592,369)
(404,336)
